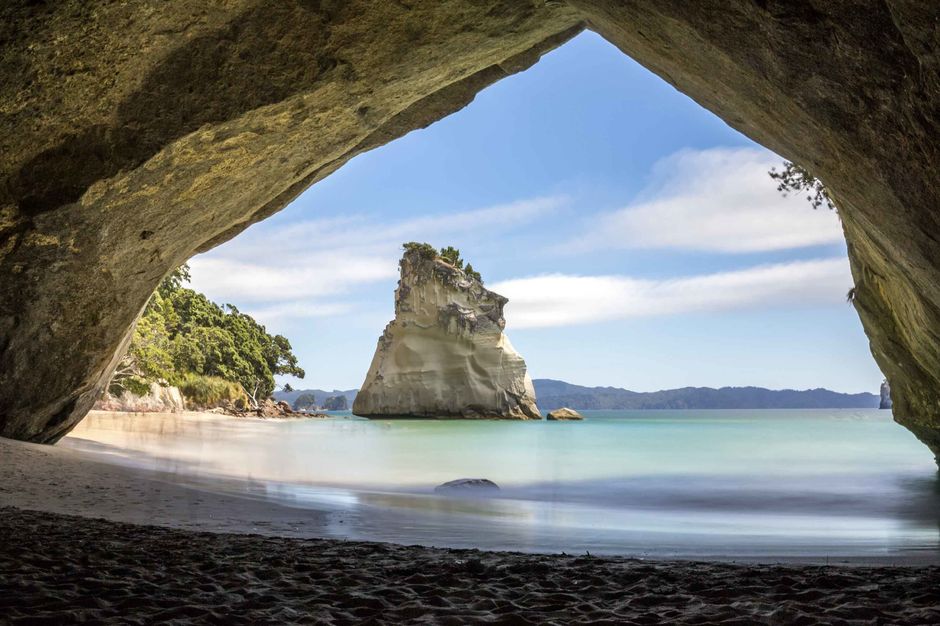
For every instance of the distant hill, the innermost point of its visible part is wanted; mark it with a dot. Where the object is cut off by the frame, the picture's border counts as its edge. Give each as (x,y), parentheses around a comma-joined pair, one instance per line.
(320,394)
(553,394)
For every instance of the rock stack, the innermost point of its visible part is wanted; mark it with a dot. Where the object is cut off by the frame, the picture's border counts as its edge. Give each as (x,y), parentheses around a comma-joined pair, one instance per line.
(445,354)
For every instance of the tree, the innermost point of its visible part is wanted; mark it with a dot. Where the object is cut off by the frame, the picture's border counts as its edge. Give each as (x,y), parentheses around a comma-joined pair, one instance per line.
(452,256)
(287,388)
(472,273)
(174,280)
(795,178)
(182,335)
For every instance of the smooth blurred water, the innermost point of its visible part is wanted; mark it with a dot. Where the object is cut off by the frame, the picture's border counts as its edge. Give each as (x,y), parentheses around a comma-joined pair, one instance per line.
(764,482)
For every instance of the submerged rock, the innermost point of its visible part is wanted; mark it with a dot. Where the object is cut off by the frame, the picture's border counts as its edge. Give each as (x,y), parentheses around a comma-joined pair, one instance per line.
(467,484)
(563,414)
(445,354)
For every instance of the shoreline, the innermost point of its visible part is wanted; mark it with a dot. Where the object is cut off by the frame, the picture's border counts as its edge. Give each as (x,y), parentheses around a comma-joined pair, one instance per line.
(87,540)
(64,481)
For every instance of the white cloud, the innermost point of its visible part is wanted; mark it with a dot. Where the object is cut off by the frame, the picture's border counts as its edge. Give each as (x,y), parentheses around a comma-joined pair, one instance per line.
(716,200)
(287,277)
(298,263)
(299,310)
(565,300)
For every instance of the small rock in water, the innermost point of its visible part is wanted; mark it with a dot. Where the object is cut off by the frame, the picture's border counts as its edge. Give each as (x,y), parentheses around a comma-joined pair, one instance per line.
(467,485)
(564,414)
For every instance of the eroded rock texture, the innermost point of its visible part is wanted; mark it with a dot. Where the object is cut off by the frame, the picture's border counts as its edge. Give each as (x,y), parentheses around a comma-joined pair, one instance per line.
(445,354)
(134,134)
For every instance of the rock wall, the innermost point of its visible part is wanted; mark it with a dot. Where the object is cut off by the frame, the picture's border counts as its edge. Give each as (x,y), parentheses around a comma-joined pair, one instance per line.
(133,136)
(160,399)
(445,353)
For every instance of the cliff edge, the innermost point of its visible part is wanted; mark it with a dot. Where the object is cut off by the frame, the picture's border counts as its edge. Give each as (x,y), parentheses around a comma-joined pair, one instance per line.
(445,354)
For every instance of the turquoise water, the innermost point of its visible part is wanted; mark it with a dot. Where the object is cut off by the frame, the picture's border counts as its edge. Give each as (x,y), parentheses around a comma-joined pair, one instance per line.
(687,483)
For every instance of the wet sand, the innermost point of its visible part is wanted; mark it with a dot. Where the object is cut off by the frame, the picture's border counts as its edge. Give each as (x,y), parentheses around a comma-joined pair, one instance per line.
(63,569)
(155,562)
(58,480)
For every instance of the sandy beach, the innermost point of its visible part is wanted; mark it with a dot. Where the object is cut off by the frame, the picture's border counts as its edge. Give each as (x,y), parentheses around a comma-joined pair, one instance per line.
(63,569)
(90,541)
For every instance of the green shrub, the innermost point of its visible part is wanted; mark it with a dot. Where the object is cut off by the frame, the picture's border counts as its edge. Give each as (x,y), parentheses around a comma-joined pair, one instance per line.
(449,254)
(209,391)
(426,250)
(182,333)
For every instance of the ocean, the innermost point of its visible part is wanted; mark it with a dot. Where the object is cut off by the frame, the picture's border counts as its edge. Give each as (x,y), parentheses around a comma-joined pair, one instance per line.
(689,484)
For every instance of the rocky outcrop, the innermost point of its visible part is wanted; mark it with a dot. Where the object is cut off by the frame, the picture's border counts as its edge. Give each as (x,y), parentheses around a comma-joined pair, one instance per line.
(336,403)
(445,354)
(160,399)
(563,414)
(305,402)
(131,138)
(885,396)
(265,408)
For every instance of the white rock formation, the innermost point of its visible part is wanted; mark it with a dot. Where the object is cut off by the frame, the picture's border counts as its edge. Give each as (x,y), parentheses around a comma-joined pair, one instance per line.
(563,414)
(160,399)
(445,355)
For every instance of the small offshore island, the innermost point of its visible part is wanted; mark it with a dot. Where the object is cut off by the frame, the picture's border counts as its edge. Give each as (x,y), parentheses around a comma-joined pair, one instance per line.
(445,354)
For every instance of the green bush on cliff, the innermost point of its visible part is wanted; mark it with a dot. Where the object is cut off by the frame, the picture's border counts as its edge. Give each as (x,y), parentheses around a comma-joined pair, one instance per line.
(449,254)
(426,250)
(182,337)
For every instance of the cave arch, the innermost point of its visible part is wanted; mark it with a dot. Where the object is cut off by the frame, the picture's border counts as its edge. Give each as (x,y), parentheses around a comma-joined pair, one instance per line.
(134,138)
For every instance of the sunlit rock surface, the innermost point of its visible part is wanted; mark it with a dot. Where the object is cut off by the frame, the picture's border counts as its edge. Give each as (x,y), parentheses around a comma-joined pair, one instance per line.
(563,414)
(160,399)
(445,354)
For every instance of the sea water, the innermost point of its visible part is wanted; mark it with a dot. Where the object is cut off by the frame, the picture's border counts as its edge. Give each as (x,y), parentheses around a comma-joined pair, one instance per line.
(660,483)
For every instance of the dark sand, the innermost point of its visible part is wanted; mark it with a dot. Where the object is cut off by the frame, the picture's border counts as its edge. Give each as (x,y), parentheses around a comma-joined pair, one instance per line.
(256,566)
(60,569)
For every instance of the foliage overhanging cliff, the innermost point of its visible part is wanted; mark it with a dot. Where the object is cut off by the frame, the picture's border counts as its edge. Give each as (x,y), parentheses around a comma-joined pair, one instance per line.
(213,353)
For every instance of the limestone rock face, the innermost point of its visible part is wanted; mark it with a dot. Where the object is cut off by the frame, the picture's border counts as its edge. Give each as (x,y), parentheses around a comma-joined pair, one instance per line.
(160,399)
(563,414)
(445,354)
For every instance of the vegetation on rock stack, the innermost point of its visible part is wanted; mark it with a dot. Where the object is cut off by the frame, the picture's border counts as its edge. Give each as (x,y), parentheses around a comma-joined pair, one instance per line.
(212,353)
(449,254)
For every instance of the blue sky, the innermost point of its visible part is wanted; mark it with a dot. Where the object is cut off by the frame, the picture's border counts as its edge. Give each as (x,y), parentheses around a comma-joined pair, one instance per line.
(638,237)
